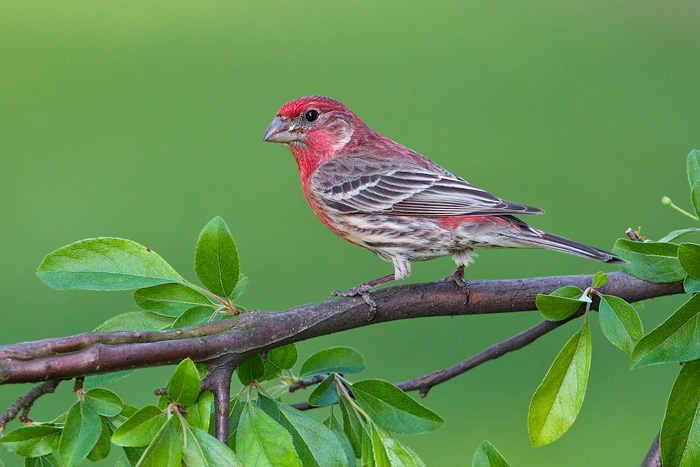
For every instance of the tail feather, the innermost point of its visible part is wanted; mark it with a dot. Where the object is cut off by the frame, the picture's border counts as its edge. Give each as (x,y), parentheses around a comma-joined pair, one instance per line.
(554,242)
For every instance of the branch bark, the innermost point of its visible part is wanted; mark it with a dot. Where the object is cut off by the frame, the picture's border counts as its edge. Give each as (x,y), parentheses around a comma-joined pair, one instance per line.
(218,381)
(653,457)
(230,341)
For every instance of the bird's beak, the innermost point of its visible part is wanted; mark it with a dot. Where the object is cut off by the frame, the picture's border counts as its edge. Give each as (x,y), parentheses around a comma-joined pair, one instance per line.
(280,131)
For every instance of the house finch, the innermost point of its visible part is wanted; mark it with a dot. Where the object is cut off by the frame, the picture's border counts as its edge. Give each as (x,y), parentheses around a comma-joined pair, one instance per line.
(395,202)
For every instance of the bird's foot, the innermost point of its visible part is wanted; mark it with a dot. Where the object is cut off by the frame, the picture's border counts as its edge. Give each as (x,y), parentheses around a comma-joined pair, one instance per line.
(458,278)
(361,290)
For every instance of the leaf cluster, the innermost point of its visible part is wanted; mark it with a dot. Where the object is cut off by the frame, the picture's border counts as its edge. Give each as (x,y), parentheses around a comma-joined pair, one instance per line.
(677,340)
(166,298)
(362,415)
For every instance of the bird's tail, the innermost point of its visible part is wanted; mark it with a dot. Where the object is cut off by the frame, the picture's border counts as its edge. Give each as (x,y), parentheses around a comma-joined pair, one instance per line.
(553,242)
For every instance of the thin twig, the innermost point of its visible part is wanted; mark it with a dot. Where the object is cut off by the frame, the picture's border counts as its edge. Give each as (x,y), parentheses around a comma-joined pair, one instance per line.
(653,457)
(25,402)
(634,236)
(78,386)
(305,383)
(425,382)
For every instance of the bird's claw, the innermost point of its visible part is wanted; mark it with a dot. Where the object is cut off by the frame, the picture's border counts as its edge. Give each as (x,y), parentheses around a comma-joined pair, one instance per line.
(363,292)
(458,278)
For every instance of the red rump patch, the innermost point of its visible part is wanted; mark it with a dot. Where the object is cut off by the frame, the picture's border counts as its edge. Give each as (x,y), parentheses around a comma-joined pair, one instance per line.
(293,108)
(454,222)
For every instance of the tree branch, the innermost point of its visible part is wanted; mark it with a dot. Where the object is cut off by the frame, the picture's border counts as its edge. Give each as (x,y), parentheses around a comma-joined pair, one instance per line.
(25,402)
(231,340)
(218,381)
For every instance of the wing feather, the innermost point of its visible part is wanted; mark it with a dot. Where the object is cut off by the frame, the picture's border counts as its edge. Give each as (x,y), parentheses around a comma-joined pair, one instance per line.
(352,184)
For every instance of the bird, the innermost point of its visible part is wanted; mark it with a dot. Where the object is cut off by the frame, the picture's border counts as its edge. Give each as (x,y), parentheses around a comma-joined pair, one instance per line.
(397,203)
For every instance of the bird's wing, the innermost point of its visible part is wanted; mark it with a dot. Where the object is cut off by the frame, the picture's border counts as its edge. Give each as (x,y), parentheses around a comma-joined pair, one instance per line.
(404,188)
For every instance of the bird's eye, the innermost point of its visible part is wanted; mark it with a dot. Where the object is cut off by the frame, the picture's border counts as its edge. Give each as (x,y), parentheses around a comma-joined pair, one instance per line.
(311,115)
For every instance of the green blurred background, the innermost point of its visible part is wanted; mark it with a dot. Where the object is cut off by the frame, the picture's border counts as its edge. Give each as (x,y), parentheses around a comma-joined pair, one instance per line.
(145,119)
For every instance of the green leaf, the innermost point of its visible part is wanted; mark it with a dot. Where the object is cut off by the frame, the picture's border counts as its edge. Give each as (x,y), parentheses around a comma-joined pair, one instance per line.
(650,261)
(315,444)
(325,393)
(80,434)
(277,358)
(676,234)
(216,258)
(283,357)
(184,384)
(43,461)
(32,441)
(379,455)
(199,414)
(104,379)
(193,316)
(393,409)
(163,402)
(202,370)
(691,285)
(342,438)
(675,340)
(271,372)
(200,449)
(104,401)
(250,369)
(620,322)
(367,457)
(135,321)
(103,445)
(139,429)
(132,455)
(105,264)
(352,426)
(599,280)
(240,287)
(166,448)
(388,451)
(170,299)
(695,197)
(488,456)
(333,360)
(262,442)
(689,257)
(680,432)
(558,399)
(560,304)
(693,164)
(234,417)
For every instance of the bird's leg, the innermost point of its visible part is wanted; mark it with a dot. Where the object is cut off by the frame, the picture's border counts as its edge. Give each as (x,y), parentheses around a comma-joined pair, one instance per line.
(458,278)
(363,291)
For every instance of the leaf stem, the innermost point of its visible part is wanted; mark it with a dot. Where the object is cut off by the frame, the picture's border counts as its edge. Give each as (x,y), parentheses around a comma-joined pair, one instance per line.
(206,292)
(666,201)
(339,384)
(216,312)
